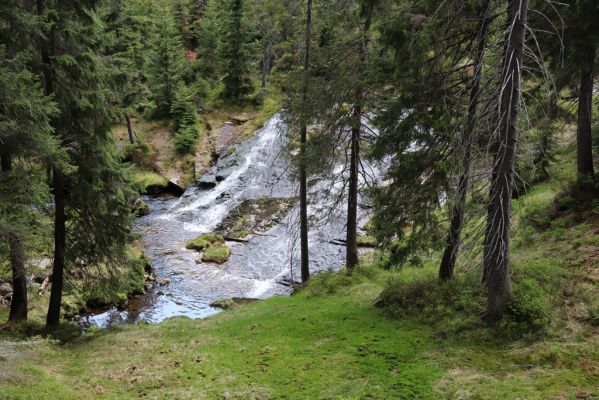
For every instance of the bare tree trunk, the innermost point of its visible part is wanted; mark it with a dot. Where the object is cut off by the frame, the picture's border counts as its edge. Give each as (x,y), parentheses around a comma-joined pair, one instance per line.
(352,198)
(305,267)
(448,261)
(53,317)
(130,129)
(18,303)
(496,248)
(584,142)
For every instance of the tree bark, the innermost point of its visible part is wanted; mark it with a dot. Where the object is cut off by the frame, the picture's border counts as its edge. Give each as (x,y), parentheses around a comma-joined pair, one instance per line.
(130,129)
(584,141)
(305,261)
(53,317)
(352,198)
(496,247)
(18,303)
(351,255)
(452,247)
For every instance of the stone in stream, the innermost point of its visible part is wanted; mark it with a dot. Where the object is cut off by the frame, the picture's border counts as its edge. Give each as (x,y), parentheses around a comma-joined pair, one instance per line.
(141,208)
(208,181)
(5,289)
(234,302)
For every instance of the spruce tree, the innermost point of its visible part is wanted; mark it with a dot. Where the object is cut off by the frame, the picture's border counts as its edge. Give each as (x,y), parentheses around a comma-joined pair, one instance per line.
(26,144)
(497,270)
(92,200)
(234,51)
(167,65)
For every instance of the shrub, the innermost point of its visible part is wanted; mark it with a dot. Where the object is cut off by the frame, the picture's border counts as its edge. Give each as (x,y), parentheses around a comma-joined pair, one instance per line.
(427,297)
(529,308)
(328,282)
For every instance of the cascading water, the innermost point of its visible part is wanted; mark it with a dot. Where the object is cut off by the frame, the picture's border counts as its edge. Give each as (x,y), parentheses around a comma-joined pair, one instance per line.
(258,168)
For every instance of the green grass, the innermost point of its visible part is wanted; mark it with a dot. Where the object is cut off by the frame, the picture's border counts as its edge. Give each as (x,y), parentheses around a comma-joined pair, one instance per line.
(285,348)
(329,341)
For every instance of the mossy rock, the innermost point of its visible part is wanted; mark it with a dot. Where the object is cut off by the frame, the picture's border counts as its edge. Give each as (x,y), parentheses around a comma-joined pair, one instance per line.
(141,208)
(204,241)
(234,302)
(151,182)
(218,254)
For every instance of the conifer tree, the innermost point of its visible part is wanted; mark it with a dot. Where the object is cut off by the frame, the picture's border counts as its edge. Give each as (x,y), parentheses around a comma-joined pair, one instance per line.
(497,271)
(92,202)
(448,260)
(168,63)
(304,249)
(234,51)
(26,144)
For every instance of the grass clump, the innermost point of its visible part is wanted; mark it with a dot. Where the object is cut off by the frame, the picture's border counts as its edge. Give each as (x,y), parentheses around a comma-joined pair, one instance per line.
(218,254)
(204,241)
(366,241)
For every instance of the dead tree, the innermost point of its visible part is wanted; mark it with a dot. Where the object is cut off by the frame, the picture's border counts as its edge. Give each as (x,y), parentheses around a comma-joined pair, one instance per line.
(448,261)
(496,246)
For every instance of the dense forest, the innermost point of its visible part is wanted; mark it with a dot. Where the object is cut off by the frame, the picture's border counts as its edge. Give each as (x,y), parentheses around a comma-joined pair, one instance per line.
(408,188)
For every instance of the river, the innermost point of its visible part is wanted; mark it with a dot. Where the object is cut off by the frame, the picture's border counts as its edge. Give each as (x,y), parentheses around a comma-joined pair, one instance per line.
(257,269)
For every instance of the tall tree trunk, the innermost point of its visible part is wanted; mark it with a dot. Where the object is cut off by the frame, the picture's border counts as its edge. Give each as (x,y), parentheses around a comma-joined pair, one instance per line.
(18,303)
(584,142)
(352,198)
(457,221)
(130,129)
(496,247)
(305,267)
(53,317)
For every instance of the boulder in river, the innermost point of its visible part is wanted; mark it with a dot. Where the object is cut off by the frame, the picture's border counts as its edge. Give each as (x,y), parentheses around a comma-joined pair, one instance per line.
(141,208)
(208,181)
(234,302)
(5,289)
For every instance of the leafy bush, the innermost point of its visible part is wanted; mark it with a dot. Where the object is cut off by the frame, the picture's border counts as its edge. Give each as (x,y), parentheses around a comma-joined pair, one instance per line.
(529,308)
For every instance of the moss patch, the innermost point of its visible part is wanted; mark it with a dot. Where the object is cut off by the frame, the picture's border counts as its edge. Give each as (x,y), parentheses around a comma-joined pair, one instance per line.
(218,254)
(204,241)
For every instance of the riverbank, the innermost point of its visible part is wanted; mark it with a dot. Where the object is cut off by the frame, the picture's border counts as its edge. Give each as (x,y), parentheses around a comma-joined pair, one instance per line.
(326,342)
